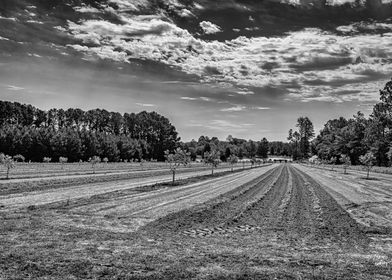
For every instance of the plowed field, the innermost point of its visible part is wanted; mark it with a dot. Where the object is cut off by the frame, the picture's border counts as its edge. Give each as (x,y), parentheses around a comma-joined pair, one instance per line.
(275,222)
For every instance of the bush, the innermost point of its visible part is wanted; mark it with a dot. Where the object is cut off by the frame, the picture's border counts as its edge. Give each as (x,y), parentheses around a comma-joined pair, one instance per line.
(19,158)
(47,159)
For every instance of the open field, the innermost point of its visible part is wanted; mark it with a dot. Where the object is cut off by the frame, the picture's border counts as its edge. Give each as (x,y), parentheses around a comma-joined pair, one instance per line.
(155,173)
(274,222)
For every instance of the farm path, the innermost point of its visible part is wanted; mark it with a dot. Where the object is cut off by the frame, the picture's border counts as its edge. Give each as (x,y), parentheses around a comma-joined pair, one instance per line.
(368,201)
(36,198)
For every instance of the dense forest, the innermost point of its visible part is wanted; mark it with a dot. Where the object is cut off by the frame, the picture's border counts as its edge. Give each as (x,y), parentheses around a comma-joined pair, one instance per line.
(79,135)
(359,135)
(351,139)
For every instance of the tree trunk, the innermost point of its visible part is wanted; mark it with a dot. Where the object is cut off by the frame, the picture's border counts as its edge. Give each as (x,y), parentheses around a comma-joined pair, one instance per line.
(345,170)
(8,173)
(174,176)
(232,168)
(212,171)
(367,176)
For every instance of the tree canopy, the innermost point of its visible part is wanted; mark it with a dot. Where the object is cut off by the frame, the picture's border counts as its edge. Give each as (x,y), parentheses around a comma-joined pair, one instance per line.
(79,135)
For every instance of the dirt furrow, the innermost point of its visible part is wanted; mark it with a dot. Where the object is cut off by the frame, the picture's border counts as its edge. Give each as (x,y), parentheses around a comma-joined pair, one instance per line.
(331,221)
(221,211)
(285,204)
(265,211)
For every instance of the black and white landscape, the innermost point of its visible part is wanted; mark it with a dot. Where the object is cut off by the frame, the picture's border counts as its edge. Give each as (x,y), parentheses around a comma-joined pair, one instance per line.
(195,139)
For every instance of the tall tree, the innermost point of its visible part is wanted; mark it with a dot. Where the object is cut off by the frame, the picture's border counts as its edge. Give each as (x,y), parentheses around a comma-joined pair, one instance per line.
(263,148)
(306,132)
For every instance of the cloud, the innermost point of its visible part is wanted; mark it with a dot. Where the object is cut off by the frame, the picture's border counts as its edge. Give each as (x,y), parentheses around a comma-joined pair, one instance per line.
(309,58)
(236,108)
(86,9)
(209,27)
(362,27)
(205,98)
(223,125)
(261,108)
(126,5)
(145,104)
(245,92)
(185,13)
(14,88)
(188,98)
(339,2)
(10,18)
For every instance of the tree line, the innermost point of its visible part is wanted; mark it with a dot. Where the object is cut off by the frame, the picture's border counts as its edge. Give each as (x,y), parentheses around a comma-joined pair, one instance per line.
(357,140)
(238,147)
(80,135)
(28,133)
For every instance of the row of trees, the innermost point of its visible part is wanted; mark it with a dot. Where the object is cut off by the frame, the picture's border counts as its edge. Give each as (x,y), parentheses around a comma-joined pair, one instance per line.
(181,157)
(79,135)
(240,148)
(358,136)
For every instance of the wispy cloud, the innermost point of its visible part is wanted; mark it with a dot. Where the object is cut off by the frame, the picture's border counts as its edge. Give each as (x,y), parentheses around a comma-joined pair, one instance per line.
(261,108)
(245,92)
(145,104)
(222,125)
(205,98)
(188,98)
(236,108)
(14,88)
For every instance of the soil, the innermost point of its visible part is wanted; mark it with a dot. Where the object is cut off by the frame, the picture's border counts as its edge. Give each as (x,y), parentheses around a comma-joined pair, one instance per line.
(284,202)
(276,222)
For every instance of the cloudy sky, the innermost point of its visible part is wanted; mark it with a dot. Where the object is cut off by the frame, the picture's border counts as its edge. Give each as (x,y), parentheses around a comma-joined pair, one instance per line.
(247,68)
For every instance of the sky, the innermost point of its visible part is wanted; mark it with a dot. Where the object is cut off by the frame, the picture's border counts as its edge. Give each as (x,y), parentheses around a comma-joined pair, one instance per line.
(226,67)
